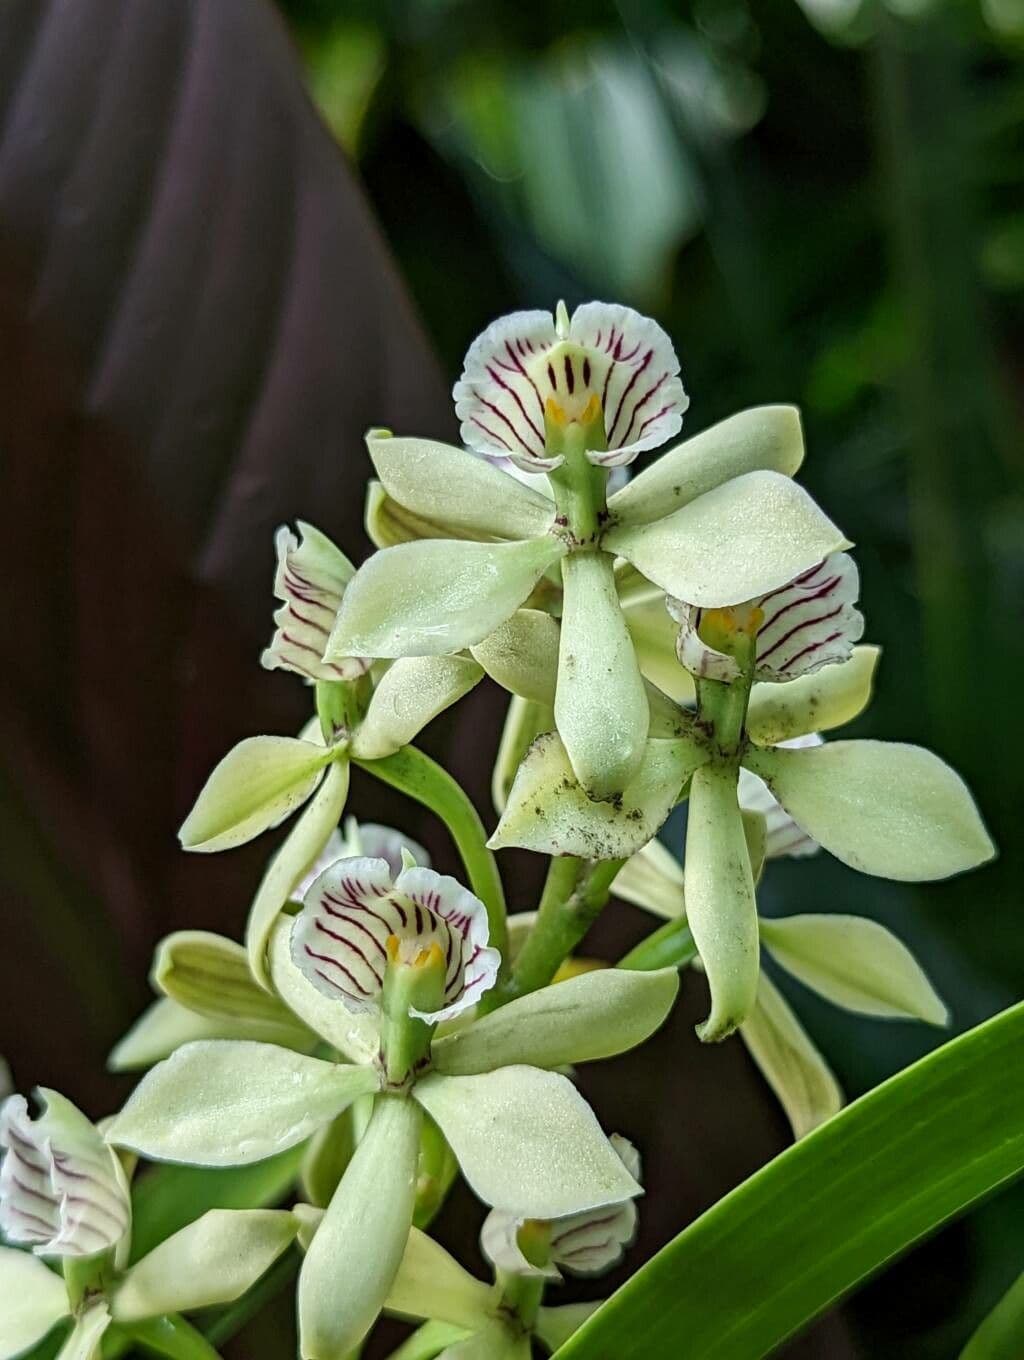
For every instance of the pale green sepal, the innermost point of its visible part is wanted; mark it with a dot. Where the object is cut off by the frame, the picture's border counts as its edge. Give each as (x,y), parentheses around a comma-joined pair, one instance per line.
(594,1015)
(387,523)
(257,784)
(765,437)
(855,963)
(213,1260)
(739,541)
(34,1300)
(165,1026)
(527,1141)
(229,1102)
(790,1063)
(451,487)
(720,908)
(431,1284)
(600,702)
(296,855)
(522,655)
(654,634)
(410,694)
(652,879)
(818,702)
(86,1336)
(667,719)
(548,812)
(428,1341)
(496,1341)
(356,1251)
(554,1326)
(437,595)
(209,974)
(357,1037)
(885,808)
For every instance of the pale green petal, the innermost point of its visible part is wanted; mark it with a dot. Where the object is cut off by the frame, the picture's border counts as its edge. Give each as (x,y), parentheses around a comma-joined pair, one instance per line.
(522,655)
(765,437)
(817,702)
(210,975)
(229,1102)
(548,811)
(789,1061)
(882,807)
(555,1326)
(355,1254)
(652,879)
(410,694)
(165,1026)
(387,523)
(527,1141)
(355,1036)
(431,1284)
(213,1260)
(428,1341)
(654,633)
(437,595)
(856,964)
(34,1299)
(720,908)
(594,1015)
(257,784)
(600,703)
(291,863)
(524,722)
(454,488)
(84,1340)
(732,544)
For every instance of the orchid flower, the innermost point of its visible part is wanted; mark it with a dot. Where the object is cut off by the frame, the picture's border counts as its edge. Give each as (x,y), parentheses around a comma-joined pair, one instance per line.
(372,964)
(852,962)
(887,809)
(265,779)
(64,1193)
(716,519)
(206,987)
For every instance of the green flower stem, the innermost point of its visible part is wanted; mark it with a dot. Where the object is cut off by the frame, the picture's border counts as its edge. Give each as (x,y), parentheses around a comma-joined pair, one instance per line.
(420,778)
(169,1335)
(520,1296)
(417,985)
(578,485)
(574,894)
(670,946)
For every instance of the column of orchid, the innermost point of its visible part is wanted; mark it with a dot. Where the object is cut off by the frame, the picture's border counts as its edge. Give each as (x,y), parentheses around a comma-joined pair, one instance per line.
(683,636)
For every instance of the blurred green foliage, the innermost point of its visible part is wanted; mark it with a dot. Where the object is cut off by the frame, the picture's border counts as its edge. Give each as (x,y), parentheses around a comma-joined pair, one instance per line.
(824,203)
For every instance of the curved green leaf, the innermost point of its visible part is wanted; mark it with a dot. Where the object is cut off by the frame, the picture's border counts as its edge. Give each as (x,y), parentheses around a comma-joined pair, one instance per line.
(830,1210)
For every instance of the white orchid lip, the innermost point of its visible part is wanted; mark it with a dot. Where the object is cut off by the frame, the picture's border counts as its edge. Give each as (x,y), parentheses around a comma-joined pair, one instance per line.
(60,1188)
(310,579)
(607,362)
(811,622)
(356,917)
(783,837)
(584,1244)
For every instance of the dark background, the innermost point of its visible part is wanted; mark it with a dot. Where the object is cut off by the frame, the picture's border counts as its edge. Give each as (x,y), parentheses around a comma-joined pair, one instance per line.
(199,316)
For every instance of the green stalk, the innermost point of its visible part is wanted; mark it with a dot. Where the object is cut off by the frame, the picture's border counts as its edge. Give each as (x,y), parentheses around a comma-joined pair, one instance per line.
(574,894)
(670,946)
(169,1335)
(267,1287)
(422,779)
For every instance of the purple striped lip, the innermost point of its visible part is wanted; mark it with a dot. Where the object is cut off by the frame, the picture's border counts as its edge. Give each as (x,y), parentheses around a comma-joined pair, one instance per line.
(606,353)
(356,905)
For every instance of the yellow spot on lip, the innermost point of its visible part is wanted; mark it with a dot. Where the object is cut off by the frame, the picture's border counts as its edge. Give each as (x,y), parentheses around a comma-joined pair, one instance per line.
(391,946)
(737,618)
(430,957)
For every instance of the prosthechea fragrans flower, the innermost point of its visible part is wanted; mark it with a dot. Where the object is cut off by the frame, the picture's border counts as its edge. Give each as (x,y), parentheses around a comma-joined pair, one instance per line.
(884,808)
(715,520)
(64,1194)
(264,779)
(851,961)
(206,987)
(370,965)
